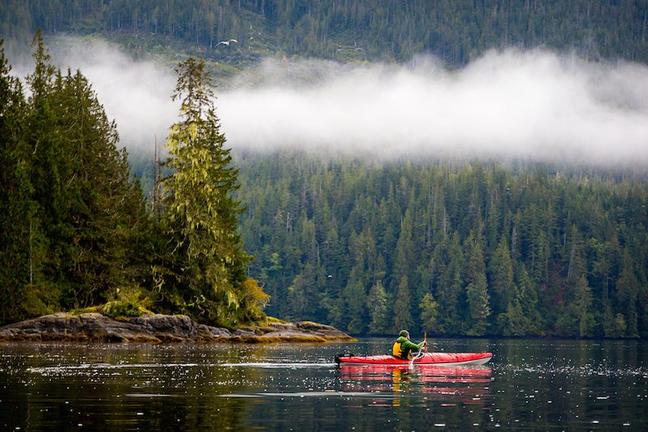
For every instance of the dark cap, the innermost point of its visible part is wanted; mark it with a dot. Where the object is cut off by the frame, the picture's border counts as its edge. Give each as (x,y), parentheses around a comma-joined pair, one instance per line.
(404,333)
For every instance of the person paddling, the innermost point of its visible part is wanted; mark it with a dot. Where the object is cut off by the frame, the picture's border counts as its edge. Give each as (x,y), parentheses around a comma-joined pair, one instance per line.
(403,347)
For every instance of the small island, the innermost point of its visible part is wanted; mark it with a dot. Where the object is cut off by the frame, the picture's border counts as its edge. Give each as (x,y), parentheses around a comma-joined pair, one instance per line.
(88,257)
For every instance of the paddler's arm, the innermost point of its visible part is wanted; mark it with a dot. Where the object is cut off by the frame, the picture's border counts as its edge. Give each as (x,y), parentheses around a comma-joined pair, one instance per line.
(411,345)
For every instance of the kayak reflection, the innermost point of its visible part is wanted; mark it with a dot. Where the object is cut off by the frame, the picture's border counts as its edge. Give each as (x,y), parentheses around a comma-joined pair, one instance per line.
(468,385)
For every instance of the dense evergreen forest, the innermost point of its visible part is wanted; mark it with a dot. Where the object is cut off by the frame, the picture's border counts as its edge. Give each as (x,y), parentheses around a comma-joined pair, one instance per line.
(454,249)
(455,31)
(75,230)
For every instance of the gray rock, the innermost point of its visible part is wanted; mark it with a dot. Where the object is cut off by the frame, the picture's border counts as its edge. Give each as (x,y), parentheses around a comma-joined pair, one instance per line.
(95,327)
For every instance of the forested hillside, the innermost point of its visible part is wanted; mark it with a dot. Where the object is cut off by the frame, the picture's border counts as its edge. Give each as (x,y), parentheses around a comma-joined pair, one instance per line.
(454,249)
(455,31)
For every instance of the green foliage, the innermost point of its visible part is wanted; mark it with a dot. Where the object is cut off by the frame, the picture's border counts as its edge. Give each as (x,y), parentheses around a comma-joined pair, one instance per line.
(477,300)
(39,300)
(20,235)
(583,306)
(77,230)
(628,291)
(201,268)
(73,220)
(450,287)
(501,272)
(355,299)
(127,302)
(478,306)
(378,305)
(403,306)
(253,301)
(501,250)
(429,312)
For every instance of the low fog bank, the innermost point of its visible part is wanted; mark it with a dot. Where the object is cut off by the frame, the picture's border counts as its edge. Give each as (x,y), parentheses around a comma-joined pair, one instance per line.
(531,105)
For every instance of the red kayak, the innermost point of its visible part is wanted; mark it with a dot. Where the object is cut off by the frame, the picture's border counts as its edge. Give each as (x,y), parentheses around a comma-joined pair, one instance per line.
(432,359)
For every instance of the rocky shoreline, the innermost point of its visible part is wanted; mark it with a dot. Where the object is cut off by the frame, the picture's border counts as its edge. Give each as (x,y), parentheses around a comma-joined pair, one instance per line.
(155,328)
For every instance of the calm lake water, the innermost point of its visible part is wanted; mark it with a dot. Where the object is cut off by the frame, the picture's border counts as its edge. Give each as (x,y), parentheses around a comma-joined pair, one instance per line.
(529,385)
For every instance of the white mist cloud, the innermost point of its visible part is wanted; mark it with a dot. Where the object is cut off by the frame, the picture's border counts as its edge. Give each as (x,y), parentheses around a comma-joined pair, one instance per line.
(534,105)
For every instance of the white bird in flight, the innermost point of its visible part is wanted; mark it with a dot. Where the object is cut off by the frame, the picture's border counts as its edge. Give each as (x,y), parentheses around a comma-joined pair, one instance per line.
(227,42)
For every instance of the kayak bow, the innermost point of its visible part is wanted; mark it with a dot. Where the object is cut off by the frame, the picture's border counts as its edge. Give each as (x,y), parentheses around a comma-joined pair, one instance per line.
(432,359)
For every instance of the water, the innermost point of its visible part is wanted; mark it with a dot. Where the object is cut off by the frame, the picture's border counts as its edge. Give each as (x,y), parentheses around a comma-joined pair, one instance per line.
(529,385)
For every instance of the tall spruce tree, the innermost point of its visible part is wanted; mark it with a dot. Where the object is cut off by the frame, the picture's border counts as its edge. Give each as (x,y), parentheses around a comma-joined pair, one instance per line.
(203,271)
(378,305)
(89,206)
(477,300)
(21,251)
(403,306)
(429,310)
(501,277)
(106,208)
(45,161)
(627,287)
(450,289)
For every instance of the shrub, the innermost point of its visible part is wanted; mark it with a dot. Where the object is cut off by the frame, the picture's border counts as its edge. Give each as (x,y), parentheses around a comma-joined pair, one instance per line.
(128,302)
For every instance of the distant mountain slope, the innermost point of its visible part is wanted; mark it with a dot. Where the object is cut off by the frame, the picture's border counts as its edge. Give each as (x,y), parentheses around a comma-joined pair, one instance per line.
(243,30)
(454,249)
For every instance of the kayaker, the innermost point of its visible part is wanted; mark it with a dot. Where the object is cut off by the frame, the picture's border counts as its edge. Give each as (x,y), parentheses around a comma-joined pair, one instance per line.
(403,346)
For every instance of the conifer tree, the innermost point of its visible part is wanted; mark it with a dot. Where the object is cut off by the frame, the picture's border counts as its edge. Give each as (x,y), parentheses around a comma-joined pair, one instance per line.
(21,251)
(501,277)
(354,296)
(378,305)
(106,210)
(206,264)
(582,305)
(627,288)
(403,306)
(450,289)
(478,303)
(429,311)
(90,208)
(404,249)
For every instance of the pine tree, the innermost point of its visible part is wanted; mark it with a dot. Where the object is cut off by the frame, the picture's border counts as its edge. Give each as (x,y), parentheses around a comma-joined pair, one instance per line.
(478,303)
(297,296)
(575,317)
(403,306)
(47,191)
(106,211)
(378,305)
(627,288)
(91,211)
(527,292)
(501,278)
(583,305)
(354,296)
(206,267)
(450,289)
(478,306)
(404,249)
(21,251)
(429,311)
